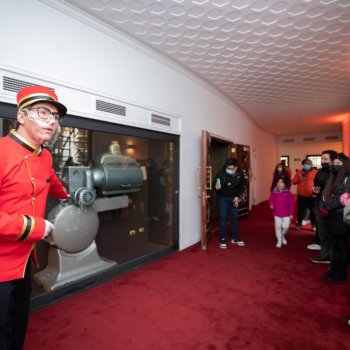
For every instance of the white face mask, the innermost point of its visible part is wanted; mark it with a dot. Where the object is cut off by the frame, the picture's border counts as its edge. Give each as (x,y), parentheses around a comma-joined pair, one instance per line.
(230,171)
(279,168)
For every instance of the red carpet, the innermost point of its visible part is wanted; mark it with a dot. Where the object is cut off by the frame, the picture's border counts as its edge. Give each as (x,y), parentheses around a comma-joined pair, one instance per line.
(256,297)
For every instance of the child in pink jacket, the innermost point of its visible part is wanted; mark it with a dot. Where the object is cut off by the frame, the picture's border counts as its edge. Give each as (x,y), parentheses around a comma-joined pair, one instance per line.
(282,204)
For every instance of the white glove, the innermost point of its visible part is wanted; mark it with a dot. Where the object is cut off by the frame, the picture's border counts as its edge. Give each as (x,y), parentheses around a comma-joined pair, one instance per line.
(48,228)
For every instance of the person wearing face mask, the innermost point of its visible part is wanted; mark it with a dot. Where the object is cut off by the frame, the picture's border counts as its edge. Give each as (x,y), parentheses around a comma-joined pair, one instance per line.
(229,185)
(282,203)
(27,178)
(304,179)
(322,239)
(337,185)
(288,169)
(280,172)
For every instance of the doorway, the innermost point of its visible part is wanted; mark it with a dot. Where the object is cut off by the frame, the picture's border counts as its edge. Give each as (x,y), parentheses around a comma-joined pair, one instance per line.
(215,151)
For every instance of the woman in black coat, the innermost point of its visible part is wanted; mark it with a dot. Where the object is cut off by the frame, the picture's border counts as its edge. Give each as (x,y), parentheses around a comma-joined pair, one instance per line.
(338,183)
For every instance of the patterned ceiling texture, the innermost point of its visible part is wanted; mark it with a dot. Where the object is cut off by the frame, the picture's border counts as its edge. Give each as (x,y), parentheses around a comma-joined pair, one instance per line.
(285,62)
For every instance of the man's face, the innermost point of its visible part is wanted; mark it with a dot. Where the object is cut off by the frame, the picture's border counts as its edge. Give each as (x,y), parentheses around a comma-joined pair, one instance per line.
(325,158)
(35,129)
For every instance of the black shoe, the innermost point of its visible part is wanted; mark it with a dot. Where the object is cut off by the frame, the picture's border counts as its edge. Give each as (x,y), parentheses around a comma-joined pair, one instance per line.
(330,275)
(223,244)
(319,260)
(298,227)
(338,278)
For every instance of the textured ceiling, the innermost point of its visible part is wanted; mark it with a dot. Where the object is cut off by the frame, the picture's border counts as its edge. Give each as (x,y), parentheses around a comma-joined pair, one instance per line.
(286,63)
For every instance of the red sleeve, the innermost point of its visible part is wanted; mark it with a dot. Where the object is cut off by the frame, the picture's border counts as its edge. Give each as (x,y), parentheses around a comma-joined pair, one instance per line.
(56,189)
(21,227)
(296,177)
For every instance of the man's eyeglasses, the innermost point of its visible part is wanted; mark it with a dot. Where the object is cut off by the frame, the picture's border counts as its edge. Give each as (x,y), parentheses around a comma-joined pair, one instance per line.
(45,114)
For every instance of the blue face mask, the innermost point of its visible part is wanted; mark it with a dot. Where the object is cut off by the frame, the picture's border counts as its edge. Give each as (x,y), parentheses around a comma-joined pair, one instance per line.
(230,172)
(307,167)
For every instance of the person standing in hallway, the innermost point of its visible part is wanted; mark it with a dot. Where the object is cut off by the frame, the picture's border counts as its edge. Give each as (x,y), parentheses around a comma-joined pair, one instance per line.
(280,172)
(288,169)
(26,179)
(282,203)
(338,184)
(322,239)
(304,179)
(229,185)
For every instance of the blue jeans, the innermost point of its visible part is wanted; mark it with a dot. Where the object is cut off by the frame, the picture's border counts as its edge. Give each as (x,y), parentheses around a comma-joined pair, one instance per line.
(226,206)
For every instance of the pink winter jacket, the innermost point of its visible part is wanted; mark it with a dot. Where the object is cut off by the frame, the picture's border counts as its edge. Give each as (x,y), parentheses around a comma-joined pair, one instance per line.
(282,203)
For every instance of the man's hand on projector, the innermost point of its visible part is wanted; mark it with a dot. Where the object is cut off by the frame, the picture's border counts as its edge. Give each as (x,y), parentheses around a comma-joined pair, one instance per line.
(49,227)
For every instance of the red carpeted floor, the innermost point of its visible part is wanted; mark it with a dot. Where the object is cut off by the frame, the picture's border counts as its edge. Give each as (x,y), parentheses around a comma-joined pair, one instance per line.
(256,297)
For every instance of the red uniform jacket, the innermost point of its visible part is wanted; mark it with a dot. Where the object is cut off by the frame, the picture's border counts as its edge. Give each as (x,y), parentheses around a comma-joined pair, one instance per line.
(26,179)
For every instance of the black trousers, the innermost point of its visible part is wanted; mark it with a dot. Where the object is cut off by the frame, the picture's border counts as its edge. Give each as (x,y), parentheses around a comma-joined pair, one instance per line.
(339,231)
(14,311)
(323,235)
(303,204)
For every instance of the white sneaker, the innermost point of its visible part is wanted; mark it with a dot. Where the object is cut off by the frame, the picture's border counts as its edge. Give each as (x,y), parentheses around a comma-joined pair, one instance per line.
(239,243)
(305,222)
(314,247)
(279,244)
(284,241)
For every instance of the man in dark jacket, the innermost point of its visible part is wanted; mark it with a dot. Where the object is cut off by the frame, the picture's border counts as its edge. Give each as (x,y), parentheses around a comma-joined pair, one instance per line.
(322,235)
(229,185)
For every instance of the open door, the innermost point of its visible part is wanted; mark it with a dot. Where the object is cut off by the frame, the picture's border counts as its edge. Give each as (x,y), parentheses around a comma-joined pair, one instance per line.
(215,151)
(206,183)
(242,153)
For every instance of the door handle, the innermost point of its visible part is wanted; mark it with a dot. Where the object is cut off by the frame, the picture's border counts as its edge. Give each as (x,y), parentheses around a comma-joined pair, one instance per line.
(198,186)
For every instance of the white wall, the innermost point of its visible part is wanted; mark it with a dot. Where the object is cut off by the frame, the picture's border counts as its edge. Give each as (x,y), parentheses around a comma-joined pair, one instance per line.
(47,43)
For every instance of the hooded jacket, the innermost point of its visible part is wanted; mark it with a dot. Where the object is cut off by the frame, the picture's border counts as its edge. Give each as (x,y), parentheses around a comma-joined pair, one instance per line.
(282,202)
(305,181)
(231,185)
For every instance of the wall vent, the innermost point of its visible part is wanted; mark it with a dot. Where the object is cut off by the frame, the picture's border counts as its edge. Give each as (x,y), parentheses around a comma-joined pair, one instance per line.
(335,137)
(14,85)
(288,140)
(158,119)
(112,108)
(309,139)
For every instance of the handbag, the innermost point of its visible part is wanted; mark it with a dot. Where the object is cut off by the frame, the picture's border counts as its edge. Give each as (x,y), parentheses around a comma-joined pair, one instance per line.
(346,215)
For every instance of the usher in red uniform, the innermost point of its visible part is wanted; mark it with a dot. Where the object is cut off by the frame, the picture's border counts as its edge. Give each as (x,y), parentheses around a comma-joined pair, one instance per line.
(26,178)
